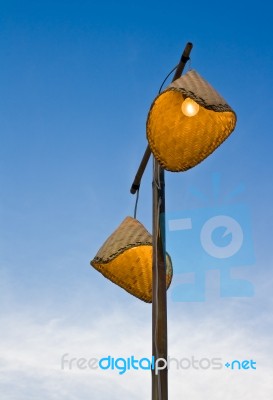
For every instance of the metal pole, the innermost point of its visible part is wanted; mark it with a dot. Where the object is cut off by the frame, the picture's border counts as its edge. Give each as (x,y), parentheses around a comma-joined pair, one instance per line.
(159,302)
(159,305)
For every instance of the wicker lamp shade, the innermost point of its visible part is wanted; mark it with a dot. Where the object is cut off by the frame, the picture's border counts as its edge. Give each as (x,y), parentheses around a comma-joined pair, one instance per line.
(126,259)
(180,142)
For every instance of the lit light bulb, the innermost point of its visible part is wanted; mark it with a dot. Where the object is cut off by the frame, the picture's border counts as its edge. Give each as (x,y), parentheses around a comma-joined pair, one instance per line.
(189,107)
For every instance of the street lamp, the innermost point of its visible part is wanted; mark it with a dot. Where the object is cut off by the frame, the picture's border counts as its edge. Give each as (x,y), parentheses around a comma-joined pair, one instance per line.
(125,258)
(185,124)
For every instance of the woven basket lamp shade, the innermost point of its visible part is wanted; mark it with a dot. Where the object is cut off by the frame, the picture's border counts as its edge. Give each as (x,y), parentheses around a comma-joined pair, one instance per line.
(178,141)
(126,259)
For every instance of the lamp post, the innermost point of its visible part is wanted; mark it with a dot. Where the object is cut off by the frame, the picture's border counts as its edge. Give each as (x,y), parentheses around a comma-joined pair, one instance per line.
(185,124)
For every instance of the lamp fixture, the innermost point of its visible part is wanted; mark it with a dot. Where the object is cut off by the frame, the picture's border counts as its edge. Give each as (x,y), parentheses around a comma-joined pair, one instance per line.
(178,142)
(125,258)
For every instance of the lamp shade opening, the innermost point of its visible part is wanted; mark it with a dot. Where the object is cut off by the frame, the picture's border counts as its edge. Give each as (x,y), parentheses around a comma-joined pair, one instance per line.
(189,107)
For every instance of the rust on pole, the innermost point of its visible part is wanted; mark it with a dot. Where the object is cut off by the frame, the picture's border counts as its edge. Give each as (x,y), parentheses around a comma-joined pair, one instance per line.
(159,302)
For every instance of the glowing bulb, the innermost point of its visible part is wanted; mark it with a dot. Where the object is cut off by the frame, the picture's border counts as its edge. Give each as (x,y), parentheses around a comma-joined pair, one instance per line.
(189,107)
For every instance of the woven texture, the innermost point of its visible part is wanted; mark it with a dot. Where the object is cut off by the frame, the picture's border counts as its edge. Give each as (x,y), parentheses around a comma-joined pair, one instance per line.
(194,86)
(179,142)
(126,259)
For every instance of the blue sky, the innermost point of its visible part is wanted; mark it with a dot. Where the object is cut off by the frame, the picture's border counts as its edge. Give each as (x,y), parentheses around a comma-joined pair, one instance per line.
(77,80)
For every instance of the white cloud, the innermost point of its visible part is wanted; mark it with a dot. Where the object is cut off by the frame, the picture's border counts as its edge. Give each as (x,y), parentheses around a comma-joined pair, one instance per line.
(32,346)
